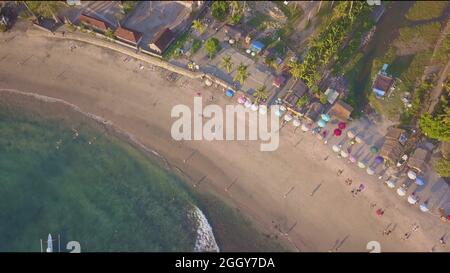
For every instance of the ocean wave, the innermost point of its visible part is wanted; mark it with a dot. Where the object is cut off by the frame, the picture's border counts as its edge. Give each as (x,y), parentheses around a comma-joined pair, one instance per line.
(205,241)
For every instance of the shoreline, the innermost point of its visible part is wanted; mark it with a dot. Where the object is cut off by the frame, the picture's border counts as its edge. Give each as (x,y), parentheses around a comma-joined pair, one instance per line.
(140,103)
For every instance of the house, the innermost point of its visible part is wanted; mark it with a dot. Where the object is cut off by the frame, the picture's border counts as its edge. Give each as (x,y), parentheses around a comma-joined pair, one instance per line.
(332,95)
(340,110)
(233,33)
(419,159)
(314,111)
(162,40)
(392,149)
(299,88)
(93,22)
(382,84)
(257,46)
(279,81)
(127,35)
(295,92)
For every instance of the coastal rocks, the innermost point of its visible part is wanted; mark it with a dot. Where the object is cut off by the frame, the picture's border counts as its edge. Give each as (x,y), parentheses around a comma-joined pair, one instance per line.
(205,241)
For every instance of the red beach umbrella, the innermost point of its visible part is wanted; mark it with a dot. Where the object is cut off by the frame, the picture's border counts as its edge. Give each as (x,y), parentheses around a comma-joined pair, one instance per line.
(337,132)
(341,125)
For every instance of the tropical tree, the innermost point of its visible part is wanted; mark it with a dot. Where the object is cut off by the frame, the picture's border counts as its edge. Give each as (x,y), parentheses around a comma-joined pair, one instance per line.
(227,63)
(323,98)
(442,167)
(436,127)
(241,74)
(212,46)
(199,26)
(261,94)
(220,9)
(46,9)
(236,12)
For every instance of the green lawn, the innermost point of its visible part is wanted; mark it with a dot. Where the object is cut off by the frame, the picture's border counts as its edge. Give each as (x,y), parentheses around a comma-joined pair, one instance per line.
(425,10)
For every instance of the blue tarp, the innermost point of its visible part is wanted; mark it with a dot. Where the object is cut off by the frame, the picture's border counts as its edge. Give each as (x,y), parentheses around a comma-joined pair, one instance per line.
(379,93)
(257,46)
(229,93)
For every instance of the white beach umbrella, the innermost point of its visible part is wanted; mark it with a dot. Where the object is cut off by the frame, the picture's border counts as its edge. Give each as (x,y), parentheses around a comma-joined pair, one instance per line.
(248,104)
(370,171)
(336,148)
(306,127)
(288,117)
(390,183)
(361,164)
(412,199)
(401,191)
(283,108)
(296,122)
(358,139)
(350,134)
(344,154)
(263,109)
(254,107)
(412,175)
(423,207)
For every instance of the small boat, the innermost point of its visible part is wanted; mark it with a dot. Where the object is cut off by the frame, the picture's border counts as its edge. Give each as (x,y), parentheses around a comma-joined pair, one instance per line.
(49,243)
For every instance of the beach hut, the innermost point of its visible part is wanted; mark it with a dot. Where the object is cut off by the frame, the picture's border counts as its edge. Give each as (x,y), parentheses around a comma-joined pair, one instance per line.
(344,154)
(296,122)
(321,123)
(361,164)
(401,191)
(412,175)
(424,207)
(420,181)
(370,171)
(412,199)
(336,148)
(263,109)
(229,93)
(390,183)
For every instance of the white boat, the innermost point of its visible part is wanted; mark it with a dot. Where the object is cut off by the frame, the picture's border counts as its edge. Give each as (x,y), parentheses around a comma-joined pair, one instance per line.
(49,243)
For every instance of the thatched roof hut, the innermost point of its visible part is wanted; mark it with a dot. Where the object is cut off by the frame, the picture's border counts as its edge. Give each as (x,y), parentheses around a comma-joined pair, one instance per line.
(419,159)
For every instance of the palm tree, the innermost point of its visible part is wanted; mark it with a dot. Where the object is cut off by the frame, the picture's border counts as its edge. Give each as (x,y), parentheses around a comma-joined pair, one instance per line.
(241,74)
(227,63)
(260,94)
(199,26)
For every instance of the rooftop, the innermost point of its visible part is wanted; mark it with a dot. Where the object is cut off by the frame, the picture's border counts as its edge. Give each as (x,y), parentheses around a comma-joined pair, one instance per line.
(86,19)
(127,34)
(341,110)
(383,82)
(163,38)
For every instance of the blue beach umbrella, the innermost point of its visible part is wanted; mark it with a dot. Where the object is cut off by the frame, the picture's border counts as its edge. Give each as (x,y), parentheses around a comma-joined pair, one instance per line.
(229,93)
(379,159)
(325,117)
(420,181)
(321,123)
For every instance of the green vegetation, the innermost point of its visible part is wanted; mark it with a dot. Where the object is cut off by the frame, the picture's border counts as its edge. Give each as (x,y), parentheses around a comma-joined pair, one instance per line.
(199,26)
(425,33)
(196,45)
(416,68)
(442,167)
(259,21)
(174,50)
(2,28)
(220,9)
(260,94)
(442,53)
(237,12)
(241,74)
(227,63)
(323,98)
(437,127)
(71,27)
(212,46)
(128,6)
(292,11)
(418,97)
(323,47)
(304,100)
(46,9)
(110,34)
(425,10)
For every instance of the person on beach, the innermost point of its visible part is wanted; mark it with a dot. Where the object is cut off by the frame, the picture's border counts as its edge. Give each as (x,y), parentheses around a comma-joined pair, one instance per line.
(339,172)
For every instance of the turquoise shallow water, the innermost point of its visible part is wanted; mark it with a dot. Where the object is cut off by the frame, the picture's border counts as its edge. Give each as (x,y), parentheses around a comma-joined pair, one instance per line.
(105,195)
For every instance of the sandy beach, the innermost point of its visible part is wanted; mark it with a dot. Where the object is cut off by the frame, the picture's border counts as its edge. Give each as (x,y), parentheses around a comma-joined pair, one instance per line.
(272,188)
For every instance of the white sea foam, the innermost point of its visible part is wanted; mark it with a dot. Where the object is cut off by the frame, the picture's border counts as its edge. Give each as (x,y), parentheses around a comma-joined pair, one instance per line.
(205,241)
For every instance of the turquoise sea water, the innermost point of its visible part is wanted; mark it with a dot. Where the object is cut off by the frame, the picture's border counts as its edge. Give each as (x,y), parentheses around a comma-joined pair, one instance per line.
(107,195)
